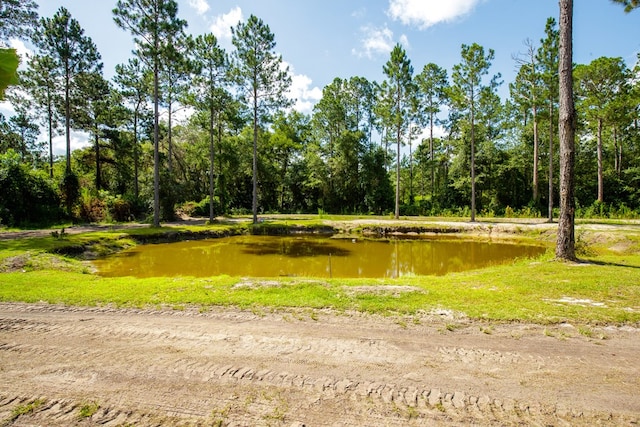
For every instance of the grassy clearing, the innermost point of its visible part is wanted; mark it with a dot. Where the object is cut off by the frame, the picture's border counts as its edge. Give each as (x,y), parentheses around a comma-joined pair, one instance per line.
(603,290)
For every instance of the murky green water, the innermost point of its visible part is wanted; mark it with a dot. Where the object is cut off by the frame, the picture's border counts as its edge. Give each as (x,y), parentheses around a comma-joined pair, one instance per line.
(310,256)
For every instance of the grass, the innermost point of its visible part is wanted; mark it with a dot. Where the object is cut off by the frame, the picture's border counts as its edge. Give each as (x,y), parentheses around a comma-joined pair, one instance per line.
(21,410)
(605,290)
(87,410)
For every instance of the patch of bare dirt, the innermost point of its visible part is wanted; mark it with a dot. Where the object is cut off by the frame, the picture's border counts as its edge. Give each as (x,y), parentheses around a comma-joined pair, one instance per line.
(62,366)
(28,261)
(76,229)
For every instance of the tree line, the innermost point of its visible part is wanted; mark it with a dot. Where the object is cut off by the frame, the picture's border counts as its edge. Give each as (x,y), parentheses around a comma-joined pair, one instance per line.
(425,141)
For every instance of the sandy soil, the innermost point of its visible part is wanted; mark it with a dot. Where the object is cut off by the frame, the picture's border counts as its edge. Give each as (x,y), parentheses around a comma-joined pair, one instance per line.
(105,366)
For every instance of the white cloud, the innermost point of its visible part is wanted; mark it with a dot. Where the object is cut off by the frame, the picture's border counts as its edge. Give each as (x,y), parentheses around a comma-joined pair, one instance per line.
(6,109)
(438,132)
(22,50)
(425,13)
(359,13)
(375,41)
(200,6)
(222,24)
(78,140)
(306,96)
(404,41)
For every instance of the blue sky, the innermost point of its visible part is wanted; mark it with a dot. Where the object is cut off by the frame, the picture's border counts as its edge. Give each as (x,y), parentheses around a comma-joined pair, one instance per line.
(324,39)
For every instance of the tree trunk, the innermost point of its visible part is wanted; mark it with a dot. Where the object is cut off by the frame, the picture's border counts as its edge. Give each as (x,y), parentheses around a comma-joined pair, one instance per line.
(397,210)
(618,153)
(550,159)
(211,163)
(50,117)
(221,184)
(565,244)
(170,138)
(431,150)
(536,154)
(67,114)
(98,172)
(411,197)
(255,157)
(473,162)
(136,185)
(156,147)
(600,172)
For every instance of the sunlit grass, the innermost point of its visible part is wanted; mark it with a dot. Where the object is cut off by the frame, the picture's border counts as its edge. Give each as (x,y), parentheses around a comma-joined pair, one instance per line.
(605,289)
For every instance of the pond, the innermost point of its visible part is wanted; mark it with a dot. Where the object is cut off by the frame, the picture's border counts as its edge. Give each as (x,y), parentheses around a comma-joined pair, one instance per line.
(310,256)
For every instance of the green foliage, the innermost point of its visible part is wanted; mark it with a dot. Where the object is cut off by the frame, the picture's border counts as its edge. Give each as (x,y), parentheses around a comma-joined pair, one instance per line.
(600,210)
(27,196)
(169,196)
(87,410)
(155,27)
(19,19)
(629,5)
(70,189)
(199,209)
(400,97)
(25,409)
(91,208)
(338,160)
(262,80)
(104,206)
(9,62)
(73,55)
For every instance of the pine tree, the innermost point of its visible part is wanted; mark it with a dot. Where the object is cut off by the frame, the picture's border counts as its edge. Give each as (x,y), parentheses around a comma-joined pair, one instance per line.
(548,61)
(41,82)
(400,93)
(466,92)
(565,244)
(134,82)
(262,80)
(210,63)
(153,24)
(432,85)
(18,19)
(73,54)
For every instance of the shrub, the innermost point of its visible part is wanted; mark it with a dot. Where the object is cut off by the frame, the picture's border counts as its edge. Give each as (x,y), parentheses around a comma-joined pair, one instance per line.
(90,207)
(199,209)
(70,189)
(508,212)
(27,196)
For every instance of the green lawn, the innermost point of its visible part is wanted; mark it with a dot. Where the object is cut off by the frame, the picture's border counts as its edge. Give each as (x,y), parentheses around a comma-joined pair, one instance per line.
(603,290)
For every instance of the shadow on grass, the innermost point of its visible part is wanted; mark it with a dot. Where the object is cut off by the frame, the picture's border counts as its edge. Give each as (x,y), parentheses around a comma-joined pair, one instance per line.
(607,264)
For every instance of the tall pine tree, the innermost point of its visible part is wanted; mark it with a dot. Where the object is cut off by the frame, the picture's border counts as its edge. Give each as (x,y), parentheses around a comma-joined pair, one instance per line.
(262,79)
(153,24)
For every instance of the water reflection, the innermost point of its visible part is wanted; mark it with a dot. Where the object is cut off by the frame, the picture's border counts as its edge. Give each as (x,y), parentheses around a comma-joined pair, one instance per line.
(310,256)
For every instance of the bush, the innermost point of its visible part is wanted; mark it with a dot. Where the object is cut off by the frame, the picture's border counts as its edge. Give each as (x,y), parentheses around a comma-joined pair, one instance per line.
(105,207)
(28,197)
(70,189)
(90,207)
(199,209)
(605,210)
(120,210)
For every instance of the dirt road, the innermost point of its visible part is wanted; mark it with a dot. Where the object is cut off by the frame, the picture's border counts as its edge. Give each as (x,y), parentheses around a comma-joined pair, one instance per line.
(64,366)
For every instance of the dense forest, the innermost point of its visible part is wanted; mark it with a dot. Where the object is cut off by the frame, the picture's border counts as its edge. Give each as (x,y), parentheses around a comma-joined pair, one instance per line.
(244,149)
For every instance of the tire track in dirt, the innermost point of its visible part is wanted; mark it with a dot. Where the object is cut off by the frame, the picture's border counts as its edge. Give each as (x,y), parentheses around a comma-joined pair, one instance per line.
(164,368)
